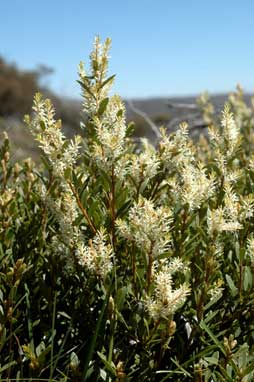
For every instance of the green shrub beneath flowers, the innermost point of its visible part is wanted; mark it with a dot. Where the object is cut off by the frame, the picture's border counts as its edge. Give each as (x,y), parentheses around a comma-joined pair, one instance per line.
(128,263)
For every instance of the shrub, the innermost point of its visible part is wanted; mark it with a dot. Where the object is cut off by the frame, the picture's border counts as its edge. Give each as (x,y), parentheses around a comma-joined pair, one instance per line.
(124,263)
(17,89)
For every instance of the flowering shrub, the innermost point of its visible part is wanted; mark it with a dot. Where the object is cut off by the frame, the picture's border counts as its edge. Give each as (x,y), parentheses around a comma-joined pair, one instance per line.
(123,262)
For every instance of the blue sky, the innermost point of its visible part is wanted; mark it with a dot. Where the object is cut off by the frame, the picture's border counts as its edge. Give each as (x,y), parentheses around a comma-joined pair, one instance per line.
(159,47)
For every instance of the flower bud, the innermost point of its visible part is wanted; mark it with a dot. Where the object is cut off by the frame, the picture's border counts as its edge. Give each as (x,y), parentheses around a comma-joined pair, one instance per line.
(171,328)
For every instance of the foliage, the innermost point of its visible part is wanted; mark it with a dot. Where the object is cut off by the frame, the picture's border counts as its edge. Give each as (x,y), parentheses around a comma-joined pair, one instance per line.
(17,88)
(124,263)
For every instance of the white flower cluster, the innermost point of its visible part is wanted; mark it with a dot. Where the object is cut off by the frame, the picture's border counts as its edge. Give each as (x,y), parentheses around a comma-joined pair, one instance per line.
(196,186)
(234,209)
(251,163)
(47,131)
(62,154)
(242,112)
(176,150)
(247,207)
(148,227)
(144,165)
(207,108)
(96,86)
(227,142)
(105,116)
(175,265)
(6,196)
(65,210)
(231,131)
(189,183)
(218,221)
(216,290)
(231,215)
(111,132)
(231,202)
(165,300)
(97,257)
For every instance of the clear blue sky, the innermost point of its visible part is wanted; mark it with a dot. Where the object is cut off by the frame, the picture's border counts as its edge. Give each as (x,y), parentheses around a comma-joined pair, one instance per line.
(159,47)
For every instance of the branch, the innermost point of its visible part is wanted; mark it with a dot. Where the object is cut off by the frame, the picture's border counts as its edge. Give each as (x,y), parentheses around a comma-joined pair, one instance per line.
(82,208)
(191,106)
(148,120)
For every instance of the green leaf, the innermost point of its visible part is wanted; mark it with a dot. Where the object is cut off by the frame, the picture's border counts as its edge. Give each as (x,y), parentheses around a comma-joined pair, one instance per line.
(121,319)
(231,285)
(42,125)
(123,209)
(7,366)
(95,335)
(212,336)
(65,315)
(109,366)
(43,354)
(247,278)
(144,185)
(214,359)
(111,78)
(67,173)
(119,113)
(84,86)
(120,297)
(103,105)
(211,314)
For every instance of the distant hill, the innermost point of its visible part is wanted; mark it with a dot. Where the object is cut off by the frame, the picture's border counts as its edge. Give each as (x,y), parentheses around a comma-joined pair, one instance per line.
(168,112)
(17,88)
(160,111)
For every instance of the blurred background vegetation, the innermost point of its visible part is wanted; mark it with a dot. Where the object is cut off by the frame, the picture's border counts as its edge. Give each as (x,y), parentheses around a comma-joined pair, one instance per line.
(17,89)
